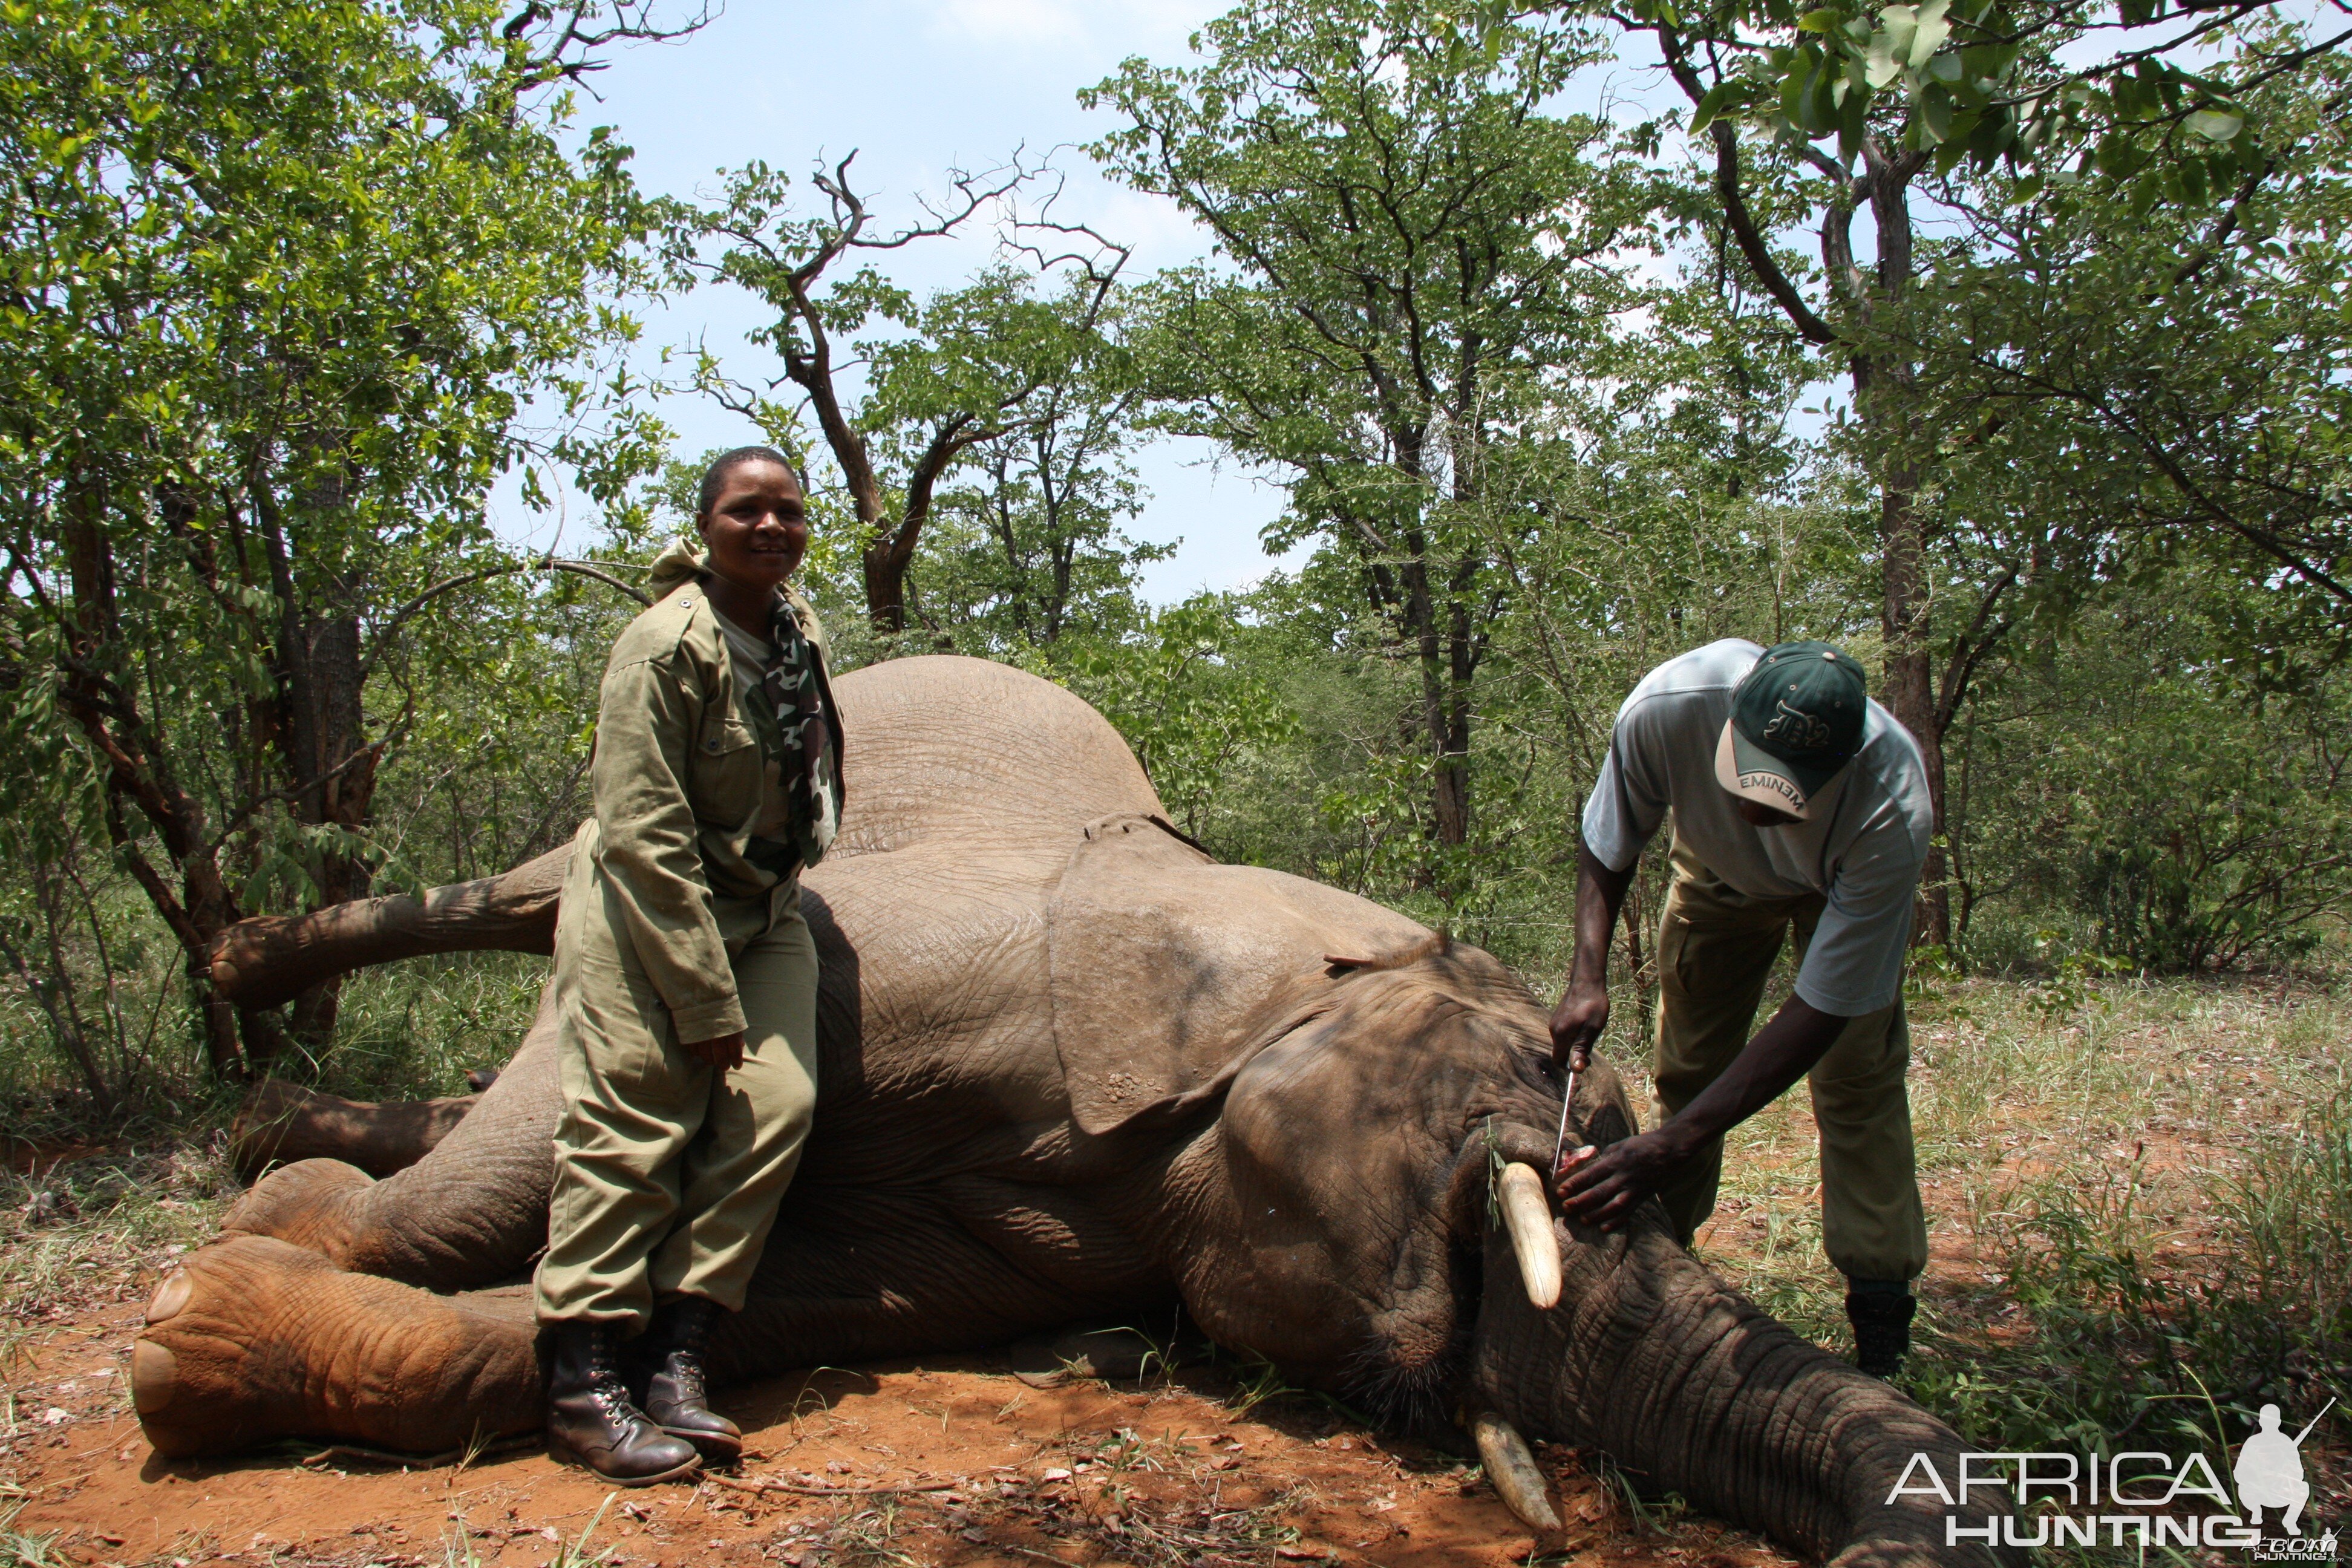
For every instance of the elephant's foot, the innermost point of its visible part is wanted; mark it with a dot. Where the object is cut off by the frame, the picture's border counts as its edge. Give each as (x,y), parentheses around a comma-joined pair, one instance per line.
(311,1203)
(254,1338)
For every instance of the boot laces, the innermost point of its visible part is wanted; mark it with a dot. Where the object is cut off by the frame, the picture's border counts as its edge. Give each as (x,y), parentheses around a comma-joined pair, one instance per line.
(685,1369)
(604,1383)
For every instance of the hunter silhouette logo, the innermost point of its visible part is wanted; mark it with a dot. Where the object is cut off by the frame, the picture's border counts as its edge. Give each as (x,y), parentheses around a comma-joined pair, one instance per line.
(2270,1471)
(1801,731)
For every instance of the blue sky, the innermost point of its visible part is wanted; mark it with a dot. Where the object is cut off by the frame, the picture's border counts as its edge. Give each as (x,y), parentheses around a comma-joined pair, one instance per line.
(916,88)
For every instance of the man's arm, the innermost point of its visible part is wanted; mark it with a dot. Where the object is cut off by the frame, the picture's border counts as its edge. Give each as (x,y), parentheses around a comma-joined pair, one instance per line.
(1603,1189)
(1582,1016)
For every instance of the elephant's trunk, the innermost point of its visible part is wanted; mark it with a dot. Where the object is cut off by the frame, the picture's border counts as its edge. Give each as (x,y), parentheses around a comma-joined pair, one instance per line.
(1693,1389)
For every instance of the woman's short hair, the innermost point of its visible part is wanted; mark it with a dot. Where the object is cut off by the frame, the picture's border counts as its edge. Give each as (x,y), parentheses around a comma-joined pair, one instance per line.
(727,463)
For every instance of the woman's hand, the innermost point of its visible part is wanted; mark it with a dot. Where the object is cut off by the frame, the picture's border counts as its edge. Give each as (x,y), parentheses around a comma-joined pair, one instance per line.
(725,1053)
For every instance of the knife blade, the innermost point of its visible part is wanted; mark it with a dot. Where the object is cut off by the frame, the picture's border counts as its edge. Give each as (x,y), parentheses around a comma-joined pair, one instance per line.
(1559,1143)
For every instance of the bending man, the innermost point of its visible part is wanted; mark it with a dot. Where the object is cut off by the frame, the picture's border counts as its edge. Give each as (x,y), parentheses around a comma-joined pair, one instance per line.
(1798,802)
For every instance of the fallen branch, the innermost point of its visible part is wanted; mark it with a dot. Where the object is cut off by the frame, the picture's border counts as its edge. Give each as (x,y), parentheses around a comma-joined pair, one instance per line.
(799,1490)
(350,1452)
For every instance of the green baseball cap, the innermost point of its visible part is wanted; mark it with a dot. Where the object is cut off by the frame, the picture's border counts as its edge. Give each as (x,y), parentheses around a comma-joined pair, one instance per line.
(1796,719)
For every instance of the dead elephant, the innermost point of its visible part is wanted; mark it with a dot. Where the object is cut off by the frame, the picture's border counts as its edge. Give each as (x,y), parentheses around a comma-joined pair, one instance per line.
(1073,1069)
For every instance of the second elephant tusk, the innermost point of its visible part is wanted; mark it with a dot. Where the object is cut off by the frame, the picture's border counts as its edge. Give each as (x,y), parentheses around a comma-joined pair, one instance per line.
(1526,1215)
(1512,1468)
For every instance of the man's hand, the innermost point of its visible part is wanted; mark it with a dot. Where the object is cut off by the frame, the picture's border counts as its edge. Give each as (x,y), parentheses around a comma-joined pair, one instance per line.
(725,1053)
(1604,1187)
(1577,1024)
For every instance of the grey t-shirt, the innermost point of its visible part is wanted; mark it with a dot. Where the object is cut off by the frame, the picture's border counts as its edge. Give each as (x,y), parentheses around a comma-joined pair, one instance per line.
(1863,846)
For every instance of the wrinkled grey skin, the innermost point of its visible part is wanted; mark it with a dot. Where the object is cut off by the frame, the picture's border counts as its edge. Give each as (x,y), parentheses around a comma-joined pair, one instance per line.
(1321,1199)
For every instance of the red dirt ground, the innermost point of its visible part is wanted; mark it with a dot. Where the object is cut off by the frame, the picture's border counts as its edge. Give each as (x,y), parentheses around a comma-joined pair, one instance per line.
(1168,1472)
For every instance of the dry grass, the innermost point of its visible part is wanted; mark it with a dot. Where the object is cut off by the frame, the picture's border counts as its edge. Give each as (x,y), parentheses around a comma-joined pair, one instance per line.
(2140,1212)
(83,1227)
(1122,1497)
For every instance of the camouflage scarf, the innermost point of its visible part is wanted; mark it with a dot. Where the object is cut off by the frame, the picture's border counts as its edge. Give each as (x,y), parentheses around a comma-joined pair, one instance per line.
(791,689)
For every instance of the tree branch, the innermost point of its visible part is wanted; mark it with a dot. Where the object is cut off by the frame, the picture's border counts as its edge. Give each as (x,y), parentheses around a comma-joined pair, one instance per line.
(382,638)
(1735,213)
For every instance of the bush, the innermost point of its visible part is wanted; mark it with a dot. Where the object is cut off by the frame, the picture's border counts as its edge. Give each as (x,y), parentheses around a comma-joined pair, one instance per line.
(2132,787)
(2113,1348)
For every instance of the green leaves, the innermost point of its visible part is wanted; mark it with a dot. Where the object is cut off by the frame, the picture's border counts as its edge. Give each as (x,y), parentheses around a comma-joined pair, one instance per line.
(1727,94)
(1929,27)
(2215,126)
(1881,64)
(282,276)
(1419,249)
(1972,81)
(1194,718)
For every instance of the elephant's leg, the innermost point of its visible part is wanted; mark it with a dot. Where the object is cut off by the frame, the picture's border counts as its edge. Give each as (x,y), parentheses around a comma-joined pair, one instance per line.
(252,1338)
(267,959)
(469,1213)
(283,1122)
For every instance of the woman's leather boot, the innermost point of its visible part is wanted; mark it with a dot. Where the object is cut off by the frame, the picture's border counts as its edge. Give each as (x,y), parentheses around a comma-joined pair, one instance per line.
(673,1351)
(590,1420)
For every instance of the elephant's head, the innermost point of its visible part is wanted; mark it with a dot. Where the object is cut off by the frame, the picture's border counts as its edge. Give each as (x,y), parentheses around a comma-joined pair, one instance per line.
(1349,1219)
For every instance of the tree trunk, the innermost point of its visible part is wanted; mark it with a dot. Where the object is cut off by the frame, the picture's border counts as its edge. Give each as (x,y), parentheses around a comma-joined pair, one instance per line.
(886,584)
(1910,689)
(334,786)
(328,769)
(1454,759)
(1444,715)
(138,774)
(1883,387)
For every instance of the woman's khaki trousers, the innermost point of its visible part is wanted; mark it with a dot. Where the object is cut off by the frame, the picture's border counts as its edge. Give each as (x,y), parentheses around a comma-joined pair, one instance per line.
(667,1173)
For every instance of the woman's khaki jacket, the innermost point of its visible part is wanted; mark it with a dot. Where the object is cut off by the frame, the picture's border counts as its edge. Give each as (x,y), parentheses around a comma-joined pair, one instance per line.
(676,776)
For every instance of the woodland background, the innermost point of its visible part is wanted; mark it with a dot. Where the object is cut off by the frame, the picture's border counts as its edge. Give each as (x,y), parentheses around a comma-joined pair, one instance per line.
(2003,342)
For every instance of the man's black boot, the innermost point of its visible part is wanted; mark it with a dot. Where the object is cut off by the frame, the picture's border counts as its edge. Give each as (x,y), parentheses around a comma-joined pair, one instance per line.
(590,1420)
(1880,1312)
(672,1357)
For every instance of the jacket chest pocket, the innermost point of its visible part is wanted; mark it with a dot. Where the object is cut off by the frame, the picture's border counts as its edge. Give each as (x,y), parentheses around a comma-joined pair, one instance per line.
(724,776)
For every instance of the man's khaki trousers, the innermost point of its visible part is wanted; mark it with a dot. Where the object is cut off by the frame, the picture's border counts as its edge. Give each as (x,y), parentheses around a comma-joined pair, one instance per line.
(667,1173)
(1716,951)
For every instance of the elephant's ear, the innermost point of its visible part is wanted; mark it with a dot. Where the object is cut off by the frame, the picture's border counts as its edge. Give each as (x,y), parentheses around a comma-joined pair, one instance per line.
(1169,968)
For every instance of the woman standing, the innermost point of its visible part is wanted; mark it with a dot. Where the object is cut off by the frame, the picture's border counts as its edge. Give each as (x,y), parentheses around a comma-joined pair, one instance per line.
(686,980)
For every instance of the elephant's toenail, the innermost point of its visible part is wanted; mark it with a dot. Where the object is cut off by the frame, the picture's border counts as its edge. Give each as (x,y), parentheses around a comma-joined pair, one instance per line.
(171,1297)
(154,1376)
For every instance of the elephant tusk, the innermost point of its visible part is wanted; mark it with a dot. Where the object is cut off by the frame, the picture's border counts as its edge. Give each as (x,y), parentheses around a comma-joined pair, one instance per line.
(1512,1468)
(1526,1215)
